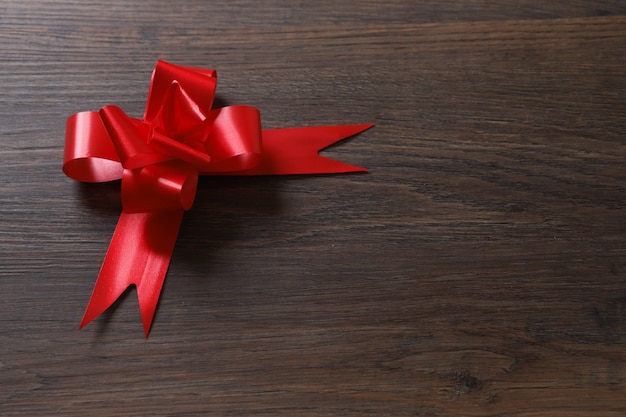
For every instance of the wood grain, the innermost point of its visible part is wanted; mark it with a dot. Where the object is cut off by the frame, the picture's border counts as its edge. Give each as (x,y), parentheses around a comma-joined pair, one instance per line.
(479,269)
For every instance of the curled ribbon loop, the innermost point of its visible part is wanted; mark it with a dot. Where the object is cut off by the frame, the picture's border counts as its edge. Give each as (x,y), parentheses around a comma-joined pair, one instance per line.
(159,158)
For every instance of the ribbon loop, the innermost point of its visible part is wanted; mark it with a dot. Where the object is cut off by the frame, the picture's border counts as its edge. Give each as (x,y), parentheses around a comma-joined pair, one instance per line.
(158,158)
(235,141)
(160,187)
(129,138)
(89,154)
(199,84)
(180,117)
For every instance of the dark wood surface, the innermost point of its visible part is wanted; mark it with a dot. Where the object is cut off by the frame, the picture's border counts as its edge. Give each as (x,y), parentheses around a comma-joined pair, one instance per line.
(478,269)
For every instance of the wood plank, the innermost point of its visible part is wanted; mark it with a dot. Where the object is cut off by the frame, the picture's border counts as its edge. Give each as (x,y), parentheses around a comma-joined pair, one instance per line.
(478,269)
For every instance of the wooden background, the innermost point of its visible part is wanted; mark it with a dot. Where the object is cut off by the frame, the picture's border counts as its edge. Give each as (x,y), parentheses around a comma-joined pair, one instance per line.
(478,269)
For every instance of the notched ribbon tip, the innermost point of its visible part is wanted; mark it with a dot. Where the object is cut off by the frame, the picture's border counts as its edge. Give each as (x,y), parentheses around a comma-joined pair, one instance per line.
(147,315)
(346,132)
(158,158)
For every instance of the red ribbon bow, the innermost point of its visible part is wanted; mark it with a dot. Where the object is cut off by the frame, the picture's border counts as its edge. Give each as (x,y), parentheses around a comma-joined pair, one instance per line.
(159,159)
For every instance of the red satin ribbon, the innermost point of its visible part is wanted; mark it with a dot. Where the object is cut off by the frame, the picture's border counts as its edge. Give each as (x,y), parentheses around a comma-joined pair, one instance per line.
(159,158)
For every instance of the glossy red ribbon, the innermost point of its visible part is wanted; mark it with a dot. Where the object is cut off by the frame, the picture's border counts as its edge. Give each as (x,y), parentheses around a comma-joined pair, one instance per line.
(158,158)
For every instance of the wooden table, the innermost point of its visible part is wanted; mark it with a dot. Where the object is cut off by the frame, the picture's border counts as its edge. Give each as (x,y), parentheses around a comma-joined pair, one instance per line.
(478,269)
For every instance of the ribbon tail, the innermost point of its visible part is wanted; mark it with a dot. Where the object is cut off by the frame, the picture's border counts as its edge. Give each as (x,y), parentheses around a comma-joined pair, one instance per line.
(295,150)
(139,254)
